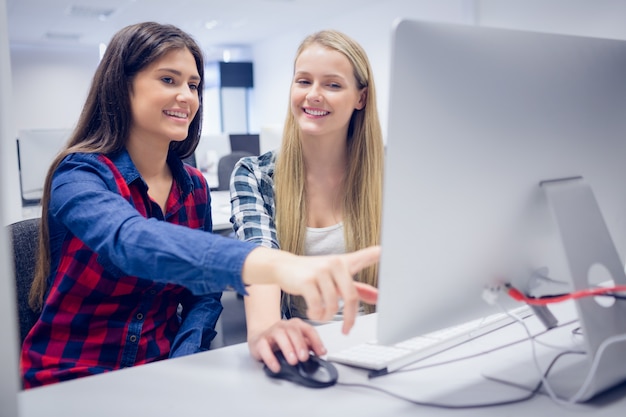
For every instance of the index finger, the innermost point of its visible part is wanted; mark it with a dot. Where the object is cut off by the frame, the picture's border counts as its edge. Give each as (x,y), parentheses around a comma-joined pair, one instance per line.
(358,260)
(363,258)
(367,293)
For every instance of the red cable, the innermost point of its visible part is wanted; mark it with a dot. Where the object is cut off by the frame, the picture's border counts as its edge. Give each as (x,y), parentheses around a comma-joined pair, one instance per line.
(519,296)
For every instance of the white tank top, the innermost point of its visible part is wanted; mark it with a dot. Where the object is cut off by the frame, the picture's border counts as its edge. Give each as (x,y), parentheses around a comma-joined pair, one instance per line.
(324,240)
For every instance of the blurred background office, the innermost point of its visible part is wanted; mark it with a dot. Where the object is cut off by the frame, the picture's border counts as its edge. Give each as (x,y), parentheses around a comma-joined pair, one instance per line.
(55,47)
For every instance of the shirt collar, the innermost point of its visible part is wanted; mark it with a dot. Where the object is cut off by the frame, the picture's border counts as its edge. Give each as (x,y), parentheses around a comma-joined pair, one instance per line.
(129,172)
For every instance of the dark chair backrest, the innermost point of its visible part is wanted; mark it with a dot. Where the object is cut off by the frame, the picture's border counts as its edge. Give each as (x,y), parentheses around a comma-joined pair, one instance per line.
(225,168)
(24,237)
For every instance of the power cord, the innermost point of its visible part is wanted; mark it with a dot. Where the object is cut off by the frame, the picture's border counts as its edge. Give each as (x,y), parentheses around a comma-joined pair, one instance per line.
(577,397)
(485,352)
(543,375)
(526,397)
(541,301)
(556,298)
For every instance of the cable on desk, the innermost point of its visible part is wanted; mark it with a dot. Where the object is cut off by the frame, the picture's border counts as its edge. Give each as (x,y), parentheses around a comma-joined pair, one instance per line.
(543,375)
(594,365)
(486,352)
(592,369)
(537,387)
(543,381)
(531,392)
(526,397)
(556,298)
(372,375)
(378,373)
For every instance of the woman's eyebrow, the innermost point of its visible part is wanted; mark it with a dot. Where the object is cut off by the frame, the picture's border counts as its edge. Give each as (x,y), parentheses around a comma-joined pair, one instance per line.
(177,72)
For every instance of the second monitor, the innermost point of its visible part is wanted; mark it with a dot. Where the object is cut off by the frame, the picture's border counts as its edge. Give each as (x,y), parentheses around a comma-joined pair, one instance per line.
(248,142)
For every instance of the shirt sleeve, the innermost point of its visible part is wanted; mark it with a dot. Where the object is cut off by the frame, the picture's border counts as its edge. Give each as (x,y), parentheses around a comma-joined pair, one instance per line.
(197,329)
(252,203)
(85,200)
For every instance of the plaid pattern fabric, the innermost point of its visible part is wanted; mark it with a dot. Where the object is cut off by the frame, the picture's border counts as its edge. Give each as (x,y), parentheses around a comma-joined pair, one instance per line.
(254,209)
(252,200)
(116,283)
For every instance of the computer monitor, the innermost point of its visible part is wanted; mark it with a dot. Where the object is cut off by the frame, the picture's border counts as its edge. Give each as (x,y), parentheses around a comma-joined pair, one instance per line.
(478,118)
(248,142)
(36,149)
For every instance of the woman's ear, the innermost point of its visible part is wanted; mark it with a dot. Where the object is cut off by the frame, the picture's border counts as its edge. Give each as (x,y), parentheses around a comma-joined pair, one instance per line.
(362,99)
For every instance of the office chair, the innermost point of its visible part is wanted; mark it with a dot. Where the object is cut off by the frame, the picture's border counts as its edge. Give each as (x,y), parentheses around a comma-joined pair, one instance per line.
(24,237)
(225,167)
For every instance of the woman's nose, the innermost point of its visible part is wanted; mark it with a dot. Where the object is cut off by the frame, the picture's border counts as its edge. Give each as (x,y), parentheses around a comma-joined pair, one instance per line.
(314,94)
(186,94)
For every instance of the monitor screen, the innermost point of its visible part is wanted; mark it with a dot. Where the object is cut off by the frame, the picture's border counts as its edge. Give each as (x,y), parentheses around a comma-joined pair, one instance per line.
(248,142)
(478,117)
(36,150)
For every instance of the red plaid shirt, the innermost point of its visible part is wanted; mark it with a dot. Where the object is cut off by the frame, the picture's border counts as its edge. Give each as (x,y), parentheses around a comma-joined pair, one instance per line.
(121,268)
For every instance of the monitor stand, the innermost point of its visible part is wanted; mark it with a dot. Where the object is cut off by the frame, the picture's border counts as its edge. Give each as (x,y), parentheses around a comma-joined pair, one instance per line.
(593,260)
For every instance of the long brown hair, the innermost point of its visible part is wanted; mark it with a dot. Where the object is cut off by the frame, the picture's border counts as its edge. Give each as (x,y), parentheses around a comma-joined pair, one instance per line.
(362,204)
(105,121)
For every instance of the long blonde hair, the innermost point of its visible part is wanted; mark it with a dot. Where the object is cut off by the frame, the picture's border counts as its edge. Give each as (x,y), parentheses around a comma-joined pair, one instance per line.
(362,203)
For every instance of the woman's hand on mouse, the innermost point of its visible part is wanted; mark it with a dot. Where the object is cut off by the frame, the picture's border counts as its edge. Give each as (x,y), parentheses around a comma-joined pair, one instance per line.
(321,280)
(294,337)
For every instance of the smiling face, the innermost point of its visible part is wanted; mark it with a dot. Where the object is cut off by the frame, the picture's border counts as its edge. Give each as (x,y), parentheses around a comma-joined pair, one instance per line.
(324,93)
(164,98)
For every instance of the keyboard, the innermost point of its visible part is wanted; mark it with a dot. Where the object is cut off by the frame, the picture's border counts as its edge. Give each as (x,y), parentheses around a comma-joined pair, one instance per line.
(388,358)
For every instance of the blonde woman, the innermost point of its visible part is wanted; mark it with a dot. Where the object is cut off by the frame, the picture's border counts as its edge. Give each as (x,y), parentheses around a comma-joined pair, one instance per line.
(321,193)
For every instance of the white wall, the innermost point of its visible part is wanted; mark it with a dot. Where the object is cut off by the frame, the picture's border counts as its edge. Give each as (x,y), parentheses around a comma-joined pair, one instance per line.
(8,163)
(370,26)
(597,18)
(48,91)
(49,87)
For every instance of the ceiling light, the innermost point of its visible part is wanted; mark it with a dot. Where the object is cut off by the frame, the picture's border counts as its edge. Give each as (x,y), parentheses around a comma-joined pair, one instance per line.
(63,36)
(211,24)
(90,12)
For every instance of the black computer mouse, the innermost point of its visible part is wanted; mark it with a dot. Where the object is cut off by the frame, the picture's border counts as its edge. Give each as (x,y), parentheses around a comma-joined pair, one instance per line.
(314,373)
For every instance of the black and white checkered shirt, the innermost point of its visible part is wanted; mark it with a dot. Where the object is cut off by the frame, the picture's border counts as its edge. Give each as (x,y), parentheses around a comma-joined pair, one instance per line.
(252,200)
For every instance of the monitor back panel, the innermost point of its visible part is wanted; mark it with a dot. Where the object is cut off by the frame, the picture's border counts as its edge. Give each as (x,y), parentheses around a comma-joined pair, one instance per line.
(477,118)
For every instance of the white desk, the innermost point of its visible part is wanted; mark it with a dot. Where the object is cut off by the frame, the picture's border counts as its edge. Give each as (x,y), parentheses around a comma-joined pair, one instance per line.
(229,382)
